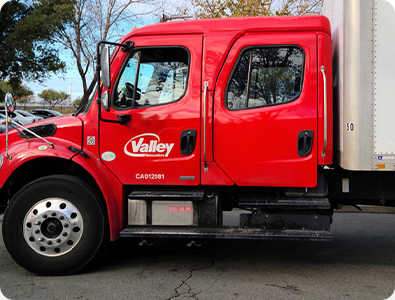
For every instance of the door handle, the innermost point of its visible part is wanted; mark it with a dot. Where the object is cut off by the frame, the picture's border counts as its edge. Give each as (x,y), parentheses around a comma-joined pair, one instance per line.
(123,119)
(188,141)
(305,142)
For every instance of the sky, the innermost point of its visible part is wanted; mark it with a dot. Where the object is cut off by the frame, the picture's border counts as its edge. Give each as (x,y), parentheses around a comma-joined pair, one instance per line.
(62,82)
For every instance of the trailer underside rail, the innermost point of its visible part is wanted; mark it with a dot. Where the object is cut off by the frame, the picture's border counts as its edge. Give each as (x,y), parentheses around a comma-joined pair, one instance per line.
(224,233)
(290,203)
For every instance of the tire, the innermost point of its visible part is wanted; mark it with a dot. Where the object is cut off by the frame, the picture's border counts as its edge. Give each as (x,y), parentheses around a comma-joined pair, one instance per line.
(53,225)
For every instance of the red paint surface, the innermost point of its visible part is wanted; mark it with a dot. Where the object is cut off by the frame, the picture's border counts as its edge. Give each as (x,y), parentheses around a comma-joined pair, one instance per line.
(165,122)
(258,146)
(254,24)
(68,133)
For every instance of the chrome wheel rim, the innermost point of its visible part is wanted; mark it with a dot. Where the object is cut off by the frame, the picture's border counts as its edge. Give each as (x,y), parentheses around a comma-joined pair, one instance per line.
(53,227)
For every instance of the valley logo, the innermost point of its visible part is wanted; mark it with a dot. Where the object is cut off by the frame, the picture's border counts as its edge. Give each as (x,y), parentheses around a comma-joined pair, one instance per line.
(147,145)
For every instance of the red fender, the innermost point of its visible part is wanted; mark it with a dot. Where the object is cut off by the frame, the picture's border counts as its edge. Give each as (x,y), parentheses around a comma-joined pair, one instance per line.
(111,189)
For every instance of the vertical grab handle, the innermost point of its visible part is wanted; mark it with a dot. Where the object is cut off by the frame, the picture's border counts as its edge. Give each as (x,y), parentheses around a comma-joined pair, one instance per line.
(325,112)
(205,124)
(6,132)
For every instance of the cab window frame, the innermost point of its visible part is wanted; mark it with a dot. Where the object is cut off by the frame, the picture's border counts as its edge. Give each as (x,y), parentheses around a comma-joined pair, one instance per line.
(255,47)
(122,69)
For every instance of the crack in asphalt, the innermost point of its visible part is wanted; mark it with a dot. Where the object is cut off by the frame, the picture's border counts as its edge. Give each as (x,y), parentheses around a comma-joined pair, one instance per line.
(291,288)
(193,295)
(185,281)
(155,261)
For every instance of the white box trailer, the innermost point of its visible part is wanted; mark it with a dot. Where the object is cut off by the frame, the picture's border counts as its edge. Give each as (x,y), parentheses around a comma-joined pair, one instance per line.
(363,35)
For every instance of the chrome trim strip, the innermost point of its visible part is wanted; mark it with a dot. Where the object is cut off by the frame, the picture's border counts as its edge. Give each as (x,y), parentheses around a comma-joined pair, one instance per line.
(7,121)
(325,112)
(204,125)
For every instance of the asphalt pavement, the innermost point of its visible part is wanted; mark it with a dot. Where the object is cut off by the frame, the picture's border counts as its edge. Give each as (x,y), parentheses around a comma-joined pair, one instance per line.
(358,264)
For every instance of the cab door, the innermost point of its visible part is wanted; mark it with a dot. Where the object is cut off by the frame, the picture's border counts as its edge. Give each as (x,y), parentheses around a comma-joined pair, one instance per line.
(265,111)
(158,88)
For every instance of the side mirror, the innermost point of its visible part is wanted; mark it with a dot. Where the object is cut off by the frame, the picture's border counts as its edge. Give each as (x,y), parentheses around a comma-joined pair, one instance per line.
(104,100)
(105,67)
(9,102)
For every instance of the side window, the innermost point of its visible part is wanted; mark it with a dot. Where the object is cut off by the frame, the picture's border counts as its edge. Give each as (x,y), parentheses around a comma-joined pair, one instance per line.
(266,76)
(162,75)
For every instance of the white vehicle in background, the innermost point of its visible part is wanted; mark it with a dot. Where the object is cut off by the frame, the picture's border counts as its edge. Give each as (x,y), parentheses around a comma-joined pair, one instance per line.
(2,124)
(25,117)
(11,115)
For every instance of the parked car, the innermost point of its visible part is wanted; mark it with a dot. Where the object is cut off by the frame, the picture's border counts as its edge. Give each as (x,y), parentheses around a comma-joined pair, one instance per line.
(45,113)
(26,118)
(2,126)
(23,117)
(2,122)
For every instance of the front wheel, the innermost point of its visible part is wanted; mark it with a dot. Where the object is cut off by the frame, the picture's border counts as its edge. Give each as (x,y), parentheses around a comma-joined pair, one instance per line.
(54,225)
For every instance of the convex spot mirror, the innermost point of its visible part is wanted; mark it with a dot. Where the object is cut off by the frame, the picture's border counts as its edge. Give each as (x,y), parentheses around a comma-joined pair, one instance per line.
(9,102)
(104,100)
(105,67)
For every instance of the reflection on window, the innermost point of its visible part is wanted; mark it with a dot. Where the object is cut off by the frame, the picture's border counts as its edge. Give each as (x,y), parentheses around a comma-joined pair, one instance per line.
(266,76)
(162,78)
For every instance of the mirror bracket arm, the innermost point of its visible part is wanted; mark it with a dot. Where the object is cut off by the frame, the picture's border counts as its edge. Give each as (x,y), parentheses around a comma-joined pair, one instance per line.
(124,48)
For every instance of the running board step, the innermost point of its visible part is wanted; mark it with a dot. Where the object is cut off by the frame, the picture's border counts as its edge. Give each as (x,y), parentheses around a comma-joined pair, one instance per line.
(192,195)
(225,233)
(297,203)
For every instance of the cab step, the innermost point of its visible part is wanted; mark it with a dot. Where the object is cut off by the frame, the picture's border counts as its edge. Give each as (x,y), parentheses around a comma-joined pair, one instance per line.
(224,233)
(284,204)
(187,195)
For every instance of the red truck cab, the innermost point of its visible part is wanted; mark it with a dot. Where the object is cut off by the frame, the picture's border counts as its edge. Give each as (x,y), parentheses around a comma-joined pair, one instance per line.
(201,116)
(252,128)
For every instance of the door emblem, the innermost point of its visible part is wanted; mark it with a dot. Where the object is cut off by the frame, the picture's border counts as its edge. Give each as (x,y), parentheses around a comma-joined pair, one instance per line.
(147,145)
(108,156)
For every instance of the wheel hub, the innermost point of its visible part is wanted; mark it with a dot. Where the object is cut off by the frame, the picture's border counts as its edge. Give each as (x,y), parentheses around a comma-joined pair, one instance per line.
(52,227)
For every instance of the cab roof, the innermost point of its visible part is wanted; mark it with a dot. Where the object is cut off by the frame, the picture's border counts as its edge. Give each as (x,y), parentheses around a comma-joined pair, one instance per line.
(251,24)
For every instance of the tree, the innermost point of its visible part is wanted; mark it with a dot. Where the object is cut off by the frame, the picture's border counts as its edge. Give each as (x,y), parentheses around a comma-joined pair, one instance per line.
(77,102)
(252,8)
(53,97)
(21,93)
(94,21)
(27,28)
